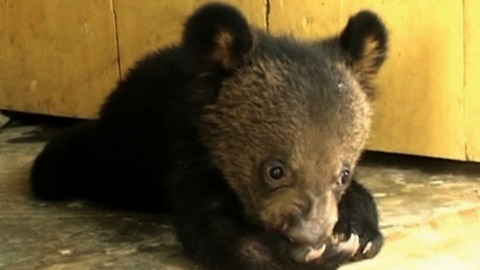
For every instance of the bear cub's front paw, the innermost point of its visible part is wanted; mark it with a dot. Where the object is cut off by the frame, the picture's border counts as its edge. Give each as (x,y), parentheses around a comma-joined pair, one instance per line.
(367,240)
(350,242)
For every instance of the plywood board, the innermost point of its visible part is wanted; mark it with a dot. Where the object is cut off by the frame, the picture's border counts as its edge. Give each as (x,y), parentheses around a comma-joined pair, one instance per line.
(61,58)
(305,19)
(472,79)
(57,57)
(420,106)
(147,25)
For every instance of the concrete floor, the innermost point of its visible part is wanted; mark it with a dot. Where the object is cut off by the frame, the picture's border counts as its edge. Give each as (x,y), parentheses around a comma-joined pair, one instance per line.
(430,213)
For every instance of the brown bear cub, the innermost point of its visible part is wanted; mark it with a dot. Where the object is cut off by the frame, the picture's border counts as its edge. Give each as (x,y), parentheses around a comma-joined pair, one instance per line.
(249,140)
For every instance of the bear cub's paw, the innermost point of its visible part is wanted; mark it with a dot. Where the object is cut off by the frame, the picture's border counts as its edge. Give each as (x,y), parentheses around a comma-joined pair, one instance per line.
(359,240)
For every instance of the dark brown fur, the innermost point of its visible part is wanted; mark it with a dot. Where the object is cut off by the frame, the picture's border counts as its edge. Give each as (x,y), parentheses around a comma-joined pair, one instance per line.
(202,129)
(272,108)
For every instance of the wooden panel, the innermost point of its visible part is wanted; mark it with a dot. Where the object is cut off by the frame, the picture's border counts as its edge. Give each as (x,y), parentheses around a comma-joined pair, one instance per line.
(420,108)
(310,19)
(472,79)
(149,24)
(60,57)
(57,57)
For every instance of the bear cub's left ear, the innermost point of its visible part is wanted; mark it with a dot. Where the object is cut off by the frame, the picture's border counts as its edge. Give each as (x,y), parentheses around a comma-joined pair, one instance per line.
(219,35)
(365,39)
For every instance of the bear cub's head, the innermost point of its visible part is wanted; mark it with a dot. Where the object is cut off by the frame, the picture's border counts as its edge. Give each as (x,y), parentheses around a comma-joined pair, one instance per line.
(290,118)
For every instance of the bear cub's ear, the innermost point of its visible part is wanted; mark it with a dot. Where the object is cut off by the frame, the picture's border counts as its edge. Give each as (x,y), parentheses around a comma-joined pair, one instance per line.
(219,35)
(365,39)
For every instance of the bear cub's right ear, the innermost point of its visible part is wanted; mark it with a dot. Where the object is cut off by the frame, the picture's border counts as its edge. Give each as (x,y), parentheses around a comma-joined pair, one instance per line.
(365,40)
(219,35)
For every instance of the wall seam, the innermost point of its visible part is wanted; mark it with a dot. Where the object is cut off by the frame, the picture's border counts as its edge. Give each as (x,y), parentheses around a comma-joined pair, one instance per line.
(464,86)
(117,43)
(267,15)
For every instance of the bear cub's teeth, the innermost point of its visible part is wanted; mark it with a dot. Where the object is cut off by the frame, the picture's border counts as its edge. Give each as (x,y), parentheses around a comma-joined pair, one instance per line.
(315,254)
(307,253)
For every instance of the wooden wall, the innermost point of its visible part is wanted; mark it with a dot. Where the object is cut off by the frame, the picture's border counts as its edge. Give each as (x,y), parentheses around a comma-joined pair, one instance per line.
(472,79)
(64,57)
(57,57)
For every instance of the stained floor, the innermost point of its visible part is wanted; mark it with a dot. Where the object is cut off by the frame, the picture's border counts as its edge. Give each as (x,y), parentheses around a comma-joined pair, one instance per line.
(430,213)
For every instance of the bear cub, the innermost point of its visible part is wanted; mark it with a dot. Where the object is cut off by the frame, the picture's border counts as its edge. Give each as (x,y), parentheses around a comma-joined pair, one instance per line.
(249,140)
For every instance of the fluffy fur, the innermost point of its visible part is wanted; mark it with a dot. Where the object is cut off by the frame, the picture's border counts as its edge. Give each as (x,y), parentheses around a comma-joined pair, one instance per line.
(250,140)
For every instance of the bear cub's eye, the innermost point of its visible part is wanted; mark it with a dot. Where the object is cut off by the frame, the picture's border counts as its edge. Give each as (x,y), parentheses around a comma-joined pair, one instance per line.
(344,177)
(275,173)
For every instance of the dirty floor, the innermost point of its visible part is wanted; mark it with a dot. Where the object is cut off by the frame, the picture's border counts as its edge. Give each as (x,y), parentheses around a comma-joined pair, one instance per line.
(430,214)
